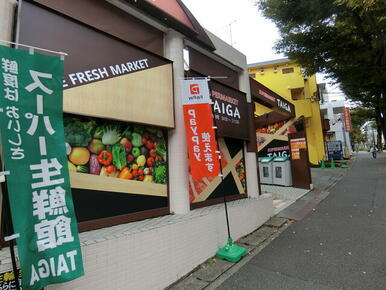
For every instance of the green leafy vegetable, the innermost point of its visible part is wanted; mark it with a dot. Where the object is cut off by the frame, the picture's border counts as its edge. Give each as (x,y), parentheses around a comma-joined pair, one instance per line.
(119,156)
(82,168)
(110,134)
(136,139)
(160,174)
(78,133)
(161,148)
(151,130)
(138,129)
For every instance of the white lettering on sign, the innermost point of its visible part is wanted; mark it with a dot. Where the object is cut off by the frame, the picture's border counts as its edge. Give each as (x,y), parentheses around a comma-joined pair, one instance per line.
(267,96)
(123,68)
(55,266)
(83,77)
(226,109)
(88,76)
(195,139)
(283,105)
(225,98)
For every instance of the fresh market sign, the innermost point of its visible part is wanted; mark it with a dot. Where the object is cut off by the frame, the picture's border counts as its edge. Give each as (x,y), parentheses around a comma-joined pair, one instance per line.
(33,151)
(83,77)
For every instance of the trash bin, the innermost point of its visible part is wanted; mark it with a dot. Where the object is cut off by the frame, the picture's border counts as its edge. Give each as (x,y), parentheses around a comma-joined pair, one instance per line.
(281,169)
(265,170)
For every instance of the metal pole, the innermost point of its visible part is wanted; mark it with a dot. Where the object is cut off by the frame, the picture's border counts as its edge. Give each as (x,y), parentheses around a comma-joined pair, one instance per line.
(8,229)
(221,172)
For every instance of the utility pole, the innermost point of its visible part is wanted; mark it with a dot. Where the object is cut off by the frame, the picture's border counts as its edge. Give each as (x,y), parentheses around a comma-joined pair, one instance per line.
(230,31)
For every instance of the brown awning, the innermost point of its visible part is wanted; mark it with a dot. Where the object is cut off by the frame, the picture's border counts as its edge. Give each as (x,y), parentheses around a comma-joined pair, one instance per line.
(106,17)
(263,95)
(207,66)
(270,118)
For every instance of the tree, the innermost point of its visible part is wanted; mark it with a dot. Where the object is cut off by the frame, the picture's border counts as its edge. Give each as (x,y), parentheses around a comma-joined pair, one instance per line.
(359,117)
(345,39)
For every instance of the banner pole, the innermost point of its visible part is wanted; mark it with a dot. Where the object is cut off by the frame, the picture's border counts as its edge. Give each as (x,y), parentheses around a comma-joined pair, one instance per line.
(230,251)
(8,229)
(220,164)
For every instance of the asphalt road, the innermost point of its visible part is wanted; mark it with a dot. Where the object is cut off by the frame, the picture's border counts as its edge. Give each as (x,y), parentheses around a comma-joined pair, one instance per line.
(341,244)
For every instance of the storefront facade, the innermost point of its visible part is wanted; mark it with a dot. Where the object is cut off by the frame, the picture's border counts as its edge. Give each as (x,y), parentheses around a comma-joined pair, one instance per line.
(286,78)
(279,131)
(122,97)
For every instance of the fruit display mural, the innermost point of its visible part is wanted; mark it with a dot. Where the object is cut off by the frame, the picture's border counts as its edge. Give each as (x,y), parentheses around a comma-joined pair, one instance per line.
(115,149)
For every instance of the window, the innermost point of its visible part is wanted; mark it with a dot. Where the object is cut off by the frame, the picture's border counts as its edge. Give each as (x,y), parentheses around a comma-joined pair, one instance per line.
(288,70)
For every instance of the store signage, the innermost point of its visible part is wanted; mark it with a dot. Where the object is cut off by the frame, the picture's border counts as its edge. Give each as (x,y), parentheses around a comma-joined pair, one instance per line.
(100,73)
(347,120)
(283,105)
(276,148)
(230,111)
(267,96)
(8,281)
(200,134)
(86,62)
(296,145)
(295,153)
(33,151)
(299,143)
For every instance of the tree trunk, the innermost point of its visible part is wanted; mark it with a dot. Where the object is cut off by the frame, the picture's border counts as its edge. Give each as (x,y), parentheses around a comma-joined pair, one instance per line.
(380,122)
(383,127)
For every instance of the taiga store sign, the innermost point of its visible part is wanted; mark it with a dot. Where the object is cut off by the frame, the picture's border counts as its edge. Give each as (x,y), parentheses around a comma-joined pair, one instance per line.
(230,111)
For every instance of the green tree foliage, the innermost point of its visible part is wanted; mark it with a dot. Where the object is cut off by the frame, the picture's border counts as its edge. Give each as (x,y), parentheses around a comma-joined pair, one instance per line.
(344,39)
(359,117)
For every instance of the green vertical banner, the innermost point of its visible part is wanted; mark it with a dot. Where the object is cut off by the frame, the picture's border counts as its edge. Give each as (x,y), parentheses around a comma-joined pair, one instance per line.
(33,150)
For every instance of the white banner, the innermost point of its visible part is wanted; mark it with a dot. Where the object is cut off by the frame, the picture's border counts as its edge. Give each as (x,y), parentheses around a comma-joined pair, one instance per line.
(195,92)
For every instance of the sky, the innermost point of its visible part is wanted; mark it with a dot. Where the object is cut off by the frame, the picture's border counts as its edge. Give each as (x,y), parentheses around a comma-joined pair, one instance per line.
(240,23)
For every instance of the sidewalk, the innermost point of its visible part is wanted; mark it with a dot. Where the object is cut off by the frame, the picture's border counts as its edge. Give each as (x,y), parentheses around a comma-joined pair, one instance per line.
(215,271)
(339,245)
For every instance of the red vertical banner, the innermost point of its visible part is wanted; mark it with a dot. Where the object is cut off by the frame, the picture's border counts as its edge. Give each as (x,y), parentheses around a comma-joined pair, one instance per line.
(347,119)
(200,135)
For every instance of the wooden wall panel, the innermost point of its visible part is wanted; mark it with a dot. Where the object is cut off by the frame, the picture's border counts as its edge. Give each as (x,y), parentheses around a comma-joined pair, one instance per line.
(111,184)
(142,97)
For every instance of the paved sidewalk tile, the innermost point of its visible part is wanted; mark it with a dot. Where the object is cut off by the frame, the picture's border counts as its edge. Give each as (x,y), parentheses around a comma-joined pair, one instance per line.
(276,222)
(189,283)
(257,237)
(211,270)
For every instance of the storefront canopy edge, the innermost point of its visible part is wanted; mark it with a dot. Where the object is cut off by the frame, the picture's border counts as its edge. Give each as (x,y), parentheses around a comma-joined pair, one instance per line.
(263,95)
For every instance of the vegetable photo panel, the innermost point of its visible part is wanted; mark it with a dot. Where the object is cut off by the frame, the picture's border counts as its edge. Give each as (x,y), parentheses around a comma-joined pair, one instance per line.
(116,156)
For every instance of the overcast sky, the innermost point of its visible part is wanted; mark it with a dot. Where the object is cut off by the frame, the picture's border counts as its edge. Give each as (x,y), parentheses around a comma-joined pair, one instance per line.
(241,24)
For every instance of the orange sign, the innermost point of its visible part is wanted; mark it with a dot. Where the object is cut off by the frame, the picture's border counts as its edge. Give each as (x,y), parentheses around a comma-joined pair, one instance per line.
(200,135)
(295,154)
(347,119)
(298,143)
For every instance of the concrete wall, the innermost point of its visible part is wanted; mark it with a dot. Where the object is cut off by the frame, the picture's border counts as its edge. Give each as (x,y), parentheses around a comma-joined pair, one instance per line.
(155,258)
(154,253)
(7,8)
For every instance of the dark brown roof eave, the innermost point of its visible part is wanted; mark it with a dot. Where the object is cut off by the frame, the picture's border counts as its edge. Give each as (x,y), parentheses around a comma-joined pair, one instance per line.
(197,35)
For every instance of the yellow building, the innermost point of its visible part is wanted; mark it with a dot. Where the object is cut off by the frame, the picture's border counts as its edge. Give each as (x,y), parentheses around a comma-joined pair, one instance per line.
(286,78)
